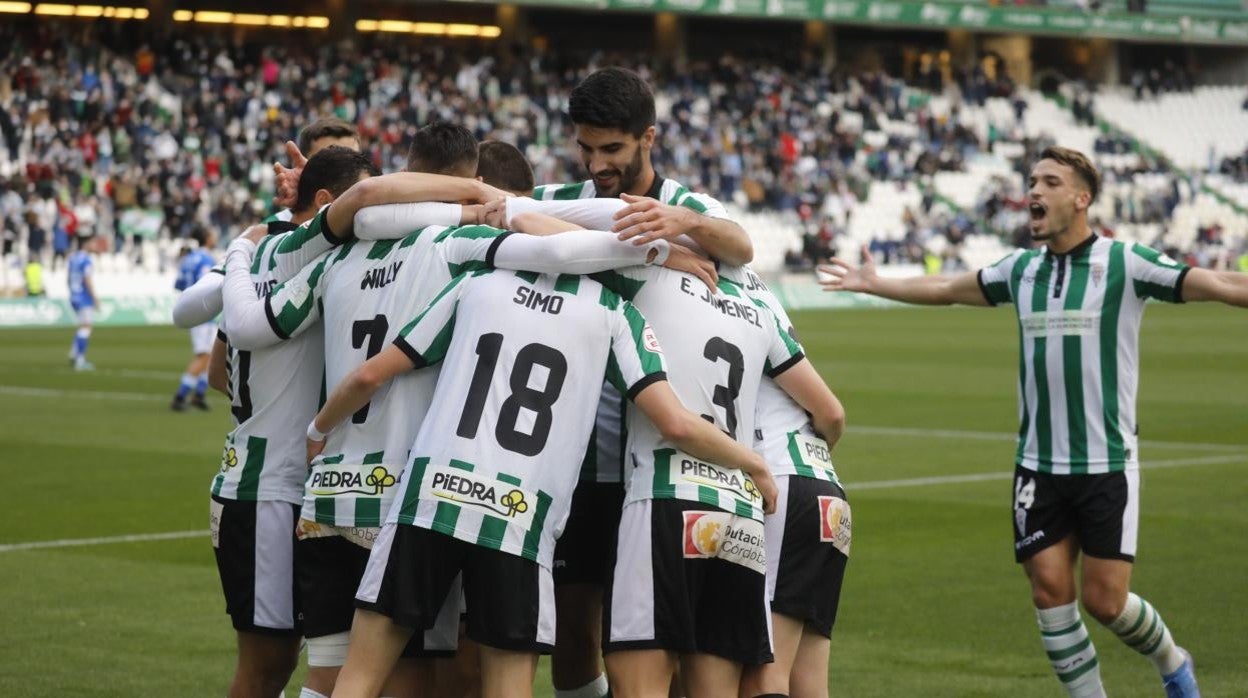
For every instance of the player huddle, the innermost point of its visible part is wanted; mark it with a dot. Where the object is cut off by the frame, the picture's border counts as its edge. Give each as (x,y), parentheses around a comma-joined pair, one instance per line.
(462,402)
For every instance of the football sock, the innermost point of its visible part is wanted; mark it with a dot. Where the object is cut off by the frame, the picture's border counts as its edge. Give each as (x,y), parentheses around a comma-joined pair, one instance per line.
(1070,650)
(188,382)
(309,693)
(201,385)
(80,342)
(594,689)
(1141,628)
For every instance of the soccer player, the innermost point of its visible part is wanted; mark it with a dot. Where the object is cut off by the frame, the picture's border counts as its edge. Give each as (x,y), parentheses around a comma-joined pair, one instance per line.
(82,298)
(358,293)
(317,135)
(1079,300)
(613,113)
(195,265)
(809,535)
(256,494)
(487,489)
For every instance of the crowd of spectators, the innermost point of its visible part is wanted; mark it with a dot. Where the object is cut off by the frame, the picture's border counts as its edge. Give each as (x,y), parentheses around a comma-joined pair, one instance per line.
(106,131)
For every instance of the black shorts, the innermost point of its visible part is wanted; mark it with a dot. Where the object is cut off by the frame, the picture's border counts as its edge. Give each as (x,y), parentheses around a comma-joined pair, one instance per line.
(808,540)
(254,545)
(411,578)
(688,578)
(580,556)
(1101,511)
(328,572)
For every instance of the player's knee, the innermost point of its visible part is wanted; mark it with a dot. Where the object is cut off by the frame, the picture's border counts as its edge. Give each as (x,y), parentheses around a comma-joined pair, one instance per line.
(1103,603)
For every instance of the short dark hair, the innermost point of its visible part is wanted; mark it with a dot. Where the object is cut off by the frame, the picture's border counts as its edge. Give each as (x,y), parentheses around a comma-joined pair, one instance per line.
(443,148)
(334,168)
(613,98)
(1078,162)
(502,165)
(328,127)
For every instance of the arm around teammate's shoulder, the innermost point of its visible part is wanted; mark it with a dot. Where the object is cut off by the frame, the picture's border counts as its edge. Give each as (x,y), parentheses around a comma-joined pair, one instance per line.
(1222,286)
(940,289)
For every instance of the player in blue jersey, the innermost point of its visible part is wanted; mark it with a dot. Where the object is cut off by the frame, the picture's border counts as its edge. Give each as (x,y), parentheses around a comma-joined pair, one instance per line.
(197,263)
(82,298)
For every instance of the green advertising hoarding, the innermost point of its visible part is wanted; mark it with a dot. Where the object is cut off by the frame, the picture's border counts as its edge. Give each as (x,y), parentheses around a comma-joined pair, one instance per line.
(49,312)
(940,15)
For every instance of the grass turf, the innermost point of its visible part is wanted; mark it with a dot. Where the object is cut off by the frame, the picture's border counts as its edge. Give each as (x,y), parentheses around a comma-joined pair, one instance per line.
(933,604)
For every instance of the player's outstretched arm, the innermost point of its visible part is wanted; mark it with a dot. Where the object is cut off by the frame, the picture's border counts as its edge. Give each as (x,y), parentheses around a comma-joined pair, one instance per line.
(649,219)
(354,392)
(804,384)
(1222,286)
(200,303)
(941,289)
(702,439)
(403,187)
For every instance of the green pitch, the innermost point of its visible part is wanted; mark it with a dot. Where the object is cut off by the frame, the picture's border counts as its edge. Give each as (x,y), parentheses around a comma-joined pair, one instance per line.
(933,603)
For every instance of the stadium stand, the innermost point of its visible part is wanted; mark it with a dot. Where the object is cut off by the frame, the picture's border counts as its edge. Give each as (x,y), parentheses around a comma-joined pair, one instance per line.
(146,144)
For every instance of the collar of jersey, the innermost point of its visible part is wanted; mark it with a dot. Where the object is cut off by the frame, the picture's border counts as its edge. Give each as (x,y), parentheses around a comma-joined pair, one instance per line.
(1075,251)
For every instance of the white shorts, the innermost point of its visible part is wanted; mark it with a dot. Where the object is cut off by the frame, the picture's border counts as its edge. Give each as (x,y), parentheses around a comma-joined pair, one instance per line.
(202,337)
(86,315)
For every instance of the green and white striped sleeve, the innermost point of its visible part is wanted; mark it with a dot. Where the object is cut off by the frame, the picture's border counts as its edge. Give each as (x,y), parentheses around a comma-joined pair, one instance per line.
(295,305)
(636,359)
(563,192)
(426,338)
(293,250)
(1155,275)
(784,352)
(994,280)
(469,248)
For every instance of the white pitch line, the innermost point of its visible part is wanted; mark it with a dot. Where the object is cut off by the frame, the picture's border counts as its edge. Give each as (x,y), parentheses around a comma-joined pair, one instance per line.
(1012,438)
(984,477)
(854,487)
(25,391)
(73,542)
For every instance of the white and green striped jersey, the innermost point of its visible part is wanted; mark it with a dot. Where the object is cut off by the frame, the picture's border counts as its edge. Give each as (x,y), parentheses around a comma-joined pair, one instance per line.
(274,392)
(361,295)
(718,347)
(283,216)
(604,462)
(1079,333)
(783,435)
(523,355)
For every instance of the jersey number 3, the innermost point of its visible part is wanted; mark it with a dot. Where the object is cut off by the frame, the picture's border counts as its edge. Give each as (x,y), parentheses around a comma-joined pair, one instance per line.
(538,402)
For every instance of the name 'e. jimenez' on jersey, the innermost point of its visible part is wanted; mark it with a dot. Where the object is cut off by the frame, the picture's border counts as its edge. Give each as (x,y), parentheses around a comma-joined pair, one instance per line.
(1079,337)
(274,392)
(524,356)
(605,459)
(718,347)
(783,435)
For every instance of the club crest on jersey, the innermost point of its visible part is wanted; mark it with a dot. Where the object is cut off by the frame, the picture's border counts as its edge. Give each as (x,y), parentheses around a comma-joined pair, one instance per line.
(718,534)
(335,480)
(1098,273)
(835,523)
(651,341)
(491,496)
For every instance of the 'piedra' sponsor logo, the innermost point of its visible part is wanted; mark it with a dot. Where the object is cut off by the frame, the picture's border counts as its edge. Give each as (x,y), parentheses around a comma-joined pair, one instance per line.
(338,480)
(494,497)
(729,480)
